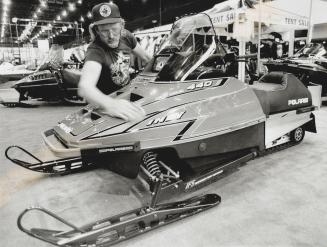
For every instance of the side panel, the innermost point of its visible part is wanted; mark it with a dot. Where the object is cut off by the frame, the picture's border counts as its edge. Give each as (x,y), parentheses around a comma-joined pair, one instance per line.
(280,124)
(249,137)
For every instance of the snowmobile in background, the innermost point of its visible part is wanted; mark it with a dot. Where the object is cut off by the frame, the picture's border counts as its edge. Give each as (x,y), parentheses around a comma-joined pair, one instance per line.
(201,124)
(53,81)
(309,65)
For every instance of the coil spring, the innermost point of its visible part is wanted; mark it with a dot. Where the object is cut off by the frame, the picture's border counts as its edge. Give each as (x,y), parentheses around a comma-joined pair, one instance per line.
(151,163)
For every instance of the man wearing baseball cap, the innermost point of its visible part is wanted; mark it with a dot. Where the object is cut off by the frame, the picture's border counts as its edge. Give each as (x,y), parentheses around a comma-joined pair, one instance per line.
(107,62)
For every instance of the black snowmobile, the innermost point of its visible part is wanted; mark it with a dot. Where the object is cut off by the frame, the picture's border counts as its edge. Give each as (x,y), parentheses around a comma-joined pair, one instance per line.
(53,82)
(200,125)
(309,65)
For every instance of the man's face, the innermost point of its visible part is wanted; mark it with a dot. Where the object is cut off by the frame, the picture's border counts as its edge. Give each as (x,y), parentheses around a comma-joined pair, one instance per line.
(110,33)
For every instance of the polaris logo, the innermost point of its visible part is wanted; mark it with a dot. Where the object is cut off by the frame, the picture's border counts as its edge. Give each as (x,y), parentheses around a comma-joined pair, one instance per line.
(298,101)
(168,118)
(65,128)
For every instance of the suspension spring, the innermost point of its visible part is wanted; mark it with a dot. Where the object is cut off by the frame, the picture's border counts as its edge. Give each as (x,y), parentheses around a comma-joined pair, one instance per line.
(151,164)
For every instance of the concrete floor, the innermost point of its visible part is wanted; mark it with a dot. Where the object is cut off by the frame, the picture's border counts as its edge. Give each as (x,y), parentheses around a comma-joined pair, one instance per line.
(276,200)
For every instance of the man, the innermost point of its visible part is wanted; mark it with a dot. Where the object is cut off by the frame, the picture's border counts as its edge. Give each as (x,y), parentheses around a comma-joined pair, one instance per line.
(107,62)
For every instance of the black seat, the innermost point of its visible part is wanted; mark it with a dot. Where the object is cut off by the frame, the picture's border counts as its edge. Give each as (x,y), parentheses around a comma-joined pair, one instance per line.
(272,81)
(277,91)
(71,77)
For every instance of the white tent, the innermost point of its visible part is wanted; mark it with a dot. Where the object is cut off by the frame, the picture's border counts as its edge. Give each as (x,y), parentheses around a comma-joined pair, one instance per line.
(250,21)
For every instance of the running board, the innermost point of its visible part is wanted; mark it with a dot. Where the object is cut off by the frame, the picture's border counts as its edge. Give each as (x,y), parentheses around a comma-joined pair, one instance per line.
(120,227)
(60,166)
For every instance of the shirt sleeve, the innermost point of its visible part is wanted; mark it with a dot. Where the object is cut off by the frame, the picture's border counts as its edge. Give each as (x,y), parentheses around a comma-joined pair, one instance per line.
(131,40)
(96,54)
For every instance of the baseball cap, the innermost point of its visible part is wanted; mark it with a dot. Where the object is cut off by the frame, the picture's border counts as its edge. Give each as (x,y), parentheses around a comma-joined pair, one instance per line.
(104,13)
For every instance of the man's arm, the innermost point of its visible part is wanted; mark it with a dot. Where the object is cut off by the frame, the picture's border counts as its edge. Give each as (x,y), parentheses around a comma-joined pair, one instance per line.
(114,107)
(141,53)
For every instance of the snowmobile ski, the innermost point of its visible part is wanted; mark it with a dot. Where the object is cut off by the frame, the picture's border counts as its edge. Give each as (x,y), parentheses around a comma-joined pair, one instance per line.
(120,227)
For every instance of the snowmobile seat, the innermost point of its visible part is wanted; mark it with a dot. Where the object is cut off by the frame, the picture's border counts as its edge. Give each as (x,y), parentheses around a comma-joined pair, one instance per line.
(279,91)
(71,77)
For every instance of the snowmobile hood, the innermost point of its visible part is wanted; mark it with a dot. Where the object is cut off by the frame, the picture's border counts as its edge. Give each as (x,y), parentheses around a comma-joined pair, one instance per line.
(165,104)
(34,78)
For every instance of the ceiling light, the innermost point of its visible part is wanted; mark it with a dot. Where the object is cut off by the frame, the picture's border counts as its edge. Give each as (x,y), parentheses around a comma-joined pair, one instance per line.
(6,2)
(82,19)
(70,26)
(35,15)
(64,13)
(38,10)
(79,2)
(43,4)
(14,19)
(71,6)
(58,18)
(64,28)
(89,15)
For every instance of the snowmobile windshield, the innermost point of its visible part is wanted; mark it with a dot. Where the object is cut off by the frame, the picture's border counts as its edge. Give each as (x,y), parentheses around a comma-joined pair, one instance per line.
(191,42)
(53,60)
(312,50)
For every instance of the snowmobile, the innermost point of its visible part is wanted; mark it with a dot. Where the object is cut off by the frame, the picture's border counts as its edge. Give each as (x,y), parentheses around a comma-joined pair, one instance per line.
(52,82)
(308,64)
(200,125)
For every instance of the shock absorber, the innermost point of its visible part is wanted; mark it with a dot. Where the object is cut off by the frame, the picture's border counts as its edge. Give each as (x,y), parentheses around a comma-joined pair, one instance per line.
(151,164)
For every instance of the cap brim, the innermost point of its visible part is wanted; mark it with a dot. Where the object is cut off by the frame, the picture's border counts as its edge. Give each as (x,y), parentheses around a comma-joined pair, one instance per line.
(108,21)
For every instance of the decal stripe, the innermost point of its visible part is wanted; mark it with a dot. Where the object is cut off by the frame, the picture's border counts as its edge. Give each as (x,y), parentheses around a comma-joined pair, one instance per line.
(179,136)
(191,91)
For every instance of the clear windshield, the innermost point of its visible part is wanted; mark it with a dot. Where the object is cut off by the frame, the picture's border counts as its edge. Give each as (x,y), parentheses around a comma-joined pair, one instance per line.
(312,50)
(191,42)
(54,58)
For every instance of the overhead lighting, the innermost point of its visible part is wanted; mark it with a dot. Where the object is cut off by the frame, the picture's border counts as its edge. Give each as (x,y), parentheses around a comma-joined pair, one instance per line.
(35,15)
(58,18)
(79,1)
(43,4)
(38,10)
(71,7)
(81,19)
(6,2)
(64,13)
(64,28)
(70,26)
(89,15)
(14,19)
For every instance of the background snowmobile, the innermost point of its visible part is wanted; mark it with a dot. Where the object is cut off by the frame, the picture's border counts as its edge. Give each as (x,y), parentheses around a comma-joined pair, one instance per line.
(200,125)
(309,65)
(52,82)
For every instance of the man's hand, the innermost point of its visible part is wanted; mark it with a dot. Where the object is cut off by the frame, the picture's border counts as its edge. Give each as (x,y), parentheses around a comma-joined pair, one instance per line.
(124,109)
